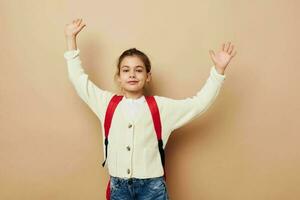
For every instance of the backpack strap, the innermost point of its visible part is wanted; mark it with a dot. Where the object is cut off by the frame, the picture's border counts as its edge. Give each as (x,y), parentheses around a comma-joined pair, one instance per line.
(155,117)
(157,126)
(115,100)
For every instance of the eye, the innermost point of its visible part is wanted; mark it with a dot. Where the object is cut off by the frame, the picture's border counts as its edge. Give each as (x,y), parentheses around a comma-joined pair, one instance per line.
(139,70)
(125,70)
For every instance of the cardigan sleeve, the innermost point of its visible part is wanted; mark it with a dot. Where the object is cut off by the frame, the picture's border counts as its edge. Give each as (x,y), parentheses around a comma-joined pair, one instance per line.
(97,99)
(179,112)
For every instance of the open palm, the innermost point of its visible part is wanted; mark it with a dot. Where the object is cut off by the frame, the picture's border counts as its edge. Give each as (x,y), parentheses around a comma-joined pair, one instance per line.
(72,29)
(222,58)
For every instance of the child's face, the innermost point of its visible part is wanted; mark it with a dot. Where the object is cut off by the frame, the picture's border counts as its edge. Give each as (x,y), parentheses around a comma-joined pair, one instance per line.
(133,74)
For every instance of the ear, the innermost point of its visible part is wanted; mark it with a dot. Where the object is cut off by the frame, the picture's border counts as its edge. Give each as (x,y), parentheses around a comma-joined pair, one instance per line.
(118,78)
(149,77)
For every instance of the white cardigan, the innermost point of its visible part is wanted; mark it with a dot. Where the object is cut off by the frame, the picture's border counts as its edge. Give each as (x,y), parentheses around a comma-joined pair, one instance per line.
(133,150)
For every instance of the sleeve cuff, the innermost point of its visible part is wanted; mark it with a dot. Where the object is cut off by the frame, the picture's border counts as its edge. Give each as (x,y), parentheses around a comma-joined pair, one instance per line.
(71,54)
(216,74)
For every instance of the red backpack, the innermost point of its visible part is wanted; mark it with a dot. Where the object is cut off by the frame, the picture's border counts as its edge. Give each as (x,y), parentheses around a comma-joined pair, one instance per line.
(157,126)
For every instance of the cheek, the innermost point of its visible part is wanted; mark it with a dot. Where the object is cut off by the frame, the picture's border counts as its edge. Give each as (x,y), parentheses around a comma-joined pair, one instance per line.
(122,77)
(121,81)
(142,76)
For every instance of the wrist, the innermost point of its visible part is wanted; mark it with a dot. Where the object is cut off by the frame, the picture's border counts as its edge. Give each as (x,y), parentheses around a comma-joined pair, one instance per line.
(220,71)
(71,43)
(70,37)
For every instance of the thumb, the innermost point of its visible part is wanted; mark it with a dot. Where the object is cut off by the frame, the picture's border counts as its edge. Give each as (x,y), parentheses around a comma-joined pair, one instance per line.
(81,27)
(212,54)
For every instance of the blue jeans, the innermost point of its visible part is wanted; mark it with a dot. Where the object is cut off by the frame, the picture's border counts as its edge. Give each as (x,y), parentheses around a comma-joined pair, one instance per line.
(138,189)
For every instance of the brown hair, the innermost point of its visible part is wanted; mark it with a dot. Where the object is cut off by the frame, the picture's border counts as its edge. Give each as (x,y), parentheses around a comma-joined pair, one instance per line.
(133,52)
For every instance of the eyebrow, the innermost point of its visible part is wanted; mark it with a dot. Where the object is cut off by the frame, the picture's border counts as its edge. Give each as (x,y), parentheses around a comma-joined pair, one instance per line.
(129,67)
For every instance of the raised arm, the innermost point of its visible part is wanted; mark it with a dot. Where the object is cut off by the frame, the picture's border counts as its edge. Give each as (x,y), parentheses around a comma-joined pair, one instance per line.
(96,98)
(182,111)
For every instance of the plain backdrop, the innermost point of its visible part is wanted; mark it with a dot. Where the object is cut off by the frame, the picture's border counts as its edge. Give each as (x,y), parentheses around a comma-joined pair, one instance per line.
(245,146)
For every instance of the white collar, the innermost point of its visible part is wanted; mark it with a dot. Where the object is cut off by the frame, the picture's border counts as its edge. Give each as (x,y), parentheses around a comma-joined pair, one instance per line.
(139,100)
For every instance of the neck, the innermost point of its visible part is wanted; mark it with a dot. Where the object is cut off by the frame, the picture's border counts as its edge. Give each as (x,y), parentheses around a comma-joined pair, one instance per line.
(132,95)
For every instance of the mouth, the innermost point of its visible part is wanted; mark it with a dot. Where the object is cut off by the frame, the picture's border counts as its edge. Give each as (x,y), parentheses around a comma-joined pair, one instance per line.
(132,82)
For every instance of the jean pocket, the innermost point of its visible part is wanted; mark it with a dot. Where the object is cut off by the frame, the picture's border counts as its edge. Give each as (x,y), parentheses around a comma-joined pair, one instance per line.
(114,183)
(157,184)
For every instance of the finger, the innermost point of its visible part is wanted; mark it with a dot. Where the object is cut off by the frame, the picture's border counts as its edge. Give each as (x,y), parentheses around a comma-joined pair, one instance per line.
(81,27)
(227,46)
(77,21)
(230,49)
(212,54)
(80,20)
(223,47)
(235,52)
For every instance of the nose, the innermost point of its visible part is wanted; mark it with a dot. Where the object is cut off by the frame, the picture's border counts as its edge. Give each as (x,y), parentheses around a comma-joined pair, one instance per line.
(132,74)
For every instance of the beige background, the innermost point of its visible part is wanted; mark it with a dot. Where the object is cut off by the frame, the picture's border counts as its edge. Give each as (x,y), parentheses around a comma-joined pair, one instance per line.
(246,146)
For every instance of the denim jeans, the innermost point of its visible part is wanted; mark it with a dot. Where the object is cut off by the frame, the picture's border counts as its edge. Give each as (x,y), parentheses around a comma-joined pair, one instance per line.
(138,189)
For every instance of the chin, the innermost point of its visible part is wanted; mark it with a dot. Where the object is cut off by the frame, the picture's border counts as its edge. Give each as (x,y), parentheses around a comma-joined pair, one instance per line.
(131,89)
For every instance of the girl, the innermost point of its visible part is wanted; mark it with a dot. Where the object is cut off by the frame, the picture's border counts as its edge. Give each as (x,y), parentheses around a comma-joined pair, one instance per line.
(136,127)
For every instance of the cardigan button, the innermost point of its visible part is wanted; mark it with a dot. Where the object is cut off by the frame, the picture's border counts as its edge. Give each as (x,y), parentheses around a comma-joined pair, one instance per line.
(128,171)
(129,125)
(128,148)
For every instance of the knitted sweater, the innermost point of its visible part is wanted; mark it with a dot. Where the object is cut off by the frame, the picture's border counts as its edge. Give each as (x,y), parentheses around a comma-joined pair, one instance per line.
(133,149)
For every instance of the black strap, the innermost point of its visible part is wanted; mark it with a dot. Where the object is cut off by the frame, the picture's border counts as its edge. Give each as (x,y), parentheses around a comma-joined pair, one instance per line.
(106,143)
(161,152)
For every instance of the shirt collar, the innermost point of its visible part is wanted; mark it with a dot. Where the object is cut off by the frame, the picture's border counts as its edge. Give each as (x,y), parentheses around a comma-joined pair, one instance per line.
(139,100)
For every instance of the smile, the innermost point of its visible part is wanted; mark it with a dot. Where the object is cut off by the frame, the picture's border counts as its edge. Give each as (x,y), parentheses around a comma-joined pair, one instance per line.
(132,82)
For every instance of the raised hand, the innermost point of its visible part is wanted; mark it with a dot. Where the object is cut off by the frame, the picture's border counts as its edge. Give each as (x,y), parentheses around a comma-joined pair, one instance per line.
(222,58)
(72,29)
